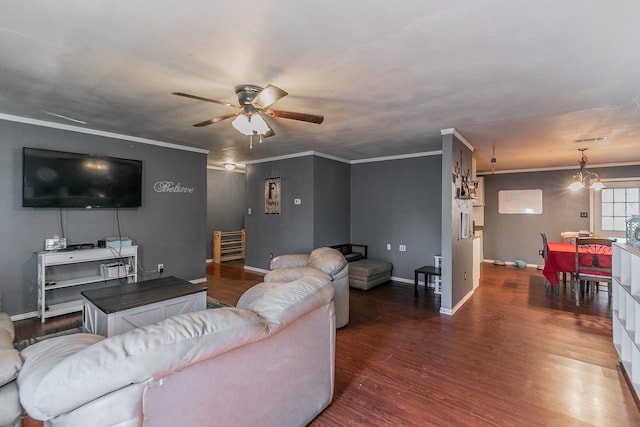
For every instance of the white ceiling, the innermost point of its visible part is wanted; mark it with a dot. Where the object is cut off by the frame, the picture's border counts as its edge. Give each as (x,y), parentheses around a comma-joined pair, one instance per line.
(528,77)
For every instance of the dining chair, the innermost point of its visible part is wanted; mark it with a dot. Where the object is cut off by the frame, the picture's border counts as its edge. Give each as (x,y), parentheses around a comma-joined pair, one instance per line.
(545,254)
(593,263)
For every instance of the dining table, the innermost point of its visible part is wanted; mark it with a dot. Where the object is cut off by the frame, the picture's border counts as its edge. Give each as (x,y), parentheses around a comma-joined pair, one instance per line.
(561,258)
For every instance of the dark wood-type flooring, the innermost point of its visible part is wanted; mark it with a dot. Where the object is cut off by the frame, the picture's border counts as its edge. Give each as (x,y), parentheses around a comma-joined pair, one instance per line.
(511,356)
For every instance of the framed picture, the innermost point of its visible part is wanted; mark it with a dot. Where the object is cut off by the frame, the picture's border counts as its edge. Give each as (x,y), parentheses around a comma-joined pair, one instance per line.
(465,225)
(272,195)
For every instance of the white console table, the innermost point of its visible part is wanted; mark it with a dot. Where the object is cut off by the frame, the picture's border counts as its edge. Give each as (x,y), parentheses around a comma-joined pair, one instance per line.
(65,269)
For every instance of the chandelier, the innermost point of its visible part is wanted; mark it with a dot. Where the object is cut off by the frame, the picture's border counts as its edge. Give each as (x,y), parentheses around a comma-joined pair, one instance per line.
(579,179)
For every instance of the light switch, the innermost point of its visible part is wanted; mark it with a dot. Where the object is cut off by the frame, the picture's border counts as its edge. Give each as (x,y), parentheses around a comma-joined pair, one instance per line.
(388,246)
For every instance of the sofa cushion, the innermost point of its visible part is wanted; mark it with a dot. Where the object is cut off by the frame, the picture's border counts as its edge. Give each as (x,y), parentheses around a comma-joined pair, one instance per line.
(10,409)
(329,260)
(285,261)
(279,303)
(10,361)
(7,325)
(52,387)
(10,364)
(289,274)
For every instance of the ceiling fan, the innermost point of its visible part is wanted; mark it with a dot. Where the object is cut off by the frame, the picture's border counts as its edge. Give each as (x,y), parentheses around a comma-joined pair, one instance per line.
(254,100)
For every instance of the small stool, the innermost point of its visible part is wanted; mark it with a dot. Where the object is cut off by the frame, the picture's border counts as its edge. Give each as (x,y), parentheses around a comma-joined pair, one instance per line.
(428,271)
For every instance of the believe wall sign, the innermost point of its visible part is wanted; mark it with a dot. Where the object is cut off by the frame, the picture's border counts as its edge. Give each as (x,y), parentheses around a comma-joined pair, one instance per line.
(171,187)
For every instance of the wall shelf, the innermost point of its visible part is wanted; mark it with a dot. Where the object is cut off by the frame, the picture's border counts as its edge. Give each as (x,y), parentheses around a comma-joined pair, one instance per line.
(626,310)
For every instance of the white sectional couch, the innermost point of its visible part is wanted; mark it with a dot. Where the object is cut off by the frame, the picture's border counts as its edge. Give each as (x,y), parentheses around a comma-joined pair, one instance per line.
(321,262)
(267,362)
(10,363)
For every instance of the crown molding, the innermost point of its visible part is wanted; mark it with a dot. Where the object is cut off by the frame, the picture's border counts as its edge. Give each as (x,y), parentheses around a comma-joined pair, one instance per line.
(89,131)
(453,131)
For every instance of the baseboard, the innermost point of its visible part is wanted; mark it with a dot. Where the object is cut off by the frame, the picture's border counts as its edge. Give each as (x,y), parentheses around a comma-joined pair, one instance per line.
(24,316)
(256,269)
(403,280)
(451,312)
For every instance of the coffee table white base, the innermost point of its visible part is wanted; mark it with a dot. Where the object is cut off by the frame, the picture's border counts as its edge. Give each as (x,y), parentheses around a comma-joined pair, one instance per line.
(95,321)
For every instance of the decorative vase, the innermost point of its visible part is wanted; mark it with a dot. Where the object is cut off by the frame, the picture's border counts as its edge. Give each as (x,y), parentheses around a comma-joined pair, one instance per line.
(633,231)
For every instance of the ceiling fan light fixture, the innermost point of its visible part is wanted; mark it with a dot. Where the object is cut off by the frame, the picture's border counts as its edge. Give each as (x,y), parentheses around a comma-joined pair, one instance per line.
(242,123)
(258,124)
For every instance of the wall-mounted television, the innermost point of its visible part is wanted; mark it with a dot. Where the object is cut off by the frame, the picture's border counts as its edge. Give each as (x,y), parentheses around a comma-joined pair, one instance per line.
(57,179)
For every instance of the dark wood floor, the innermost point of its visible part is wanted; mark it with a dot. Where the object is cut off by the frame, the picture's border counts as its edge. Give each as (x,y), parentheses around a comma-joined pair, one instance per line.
(511,356)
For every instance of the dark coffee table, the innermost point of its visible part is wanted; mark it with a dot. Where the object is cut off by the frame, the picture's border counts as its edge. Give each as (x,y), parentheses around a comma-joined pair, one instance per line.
(118,309)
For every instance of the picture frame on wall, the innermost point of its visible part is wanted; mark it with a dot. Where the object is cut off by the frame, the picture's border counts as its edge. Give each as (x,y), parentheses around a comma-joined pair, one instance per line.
(272,195)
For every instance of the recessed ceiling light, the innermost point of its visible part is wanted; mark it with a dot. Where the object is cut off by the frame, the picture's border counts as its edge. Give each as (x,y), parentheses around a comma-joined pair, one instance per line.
(597,138)
(230,166)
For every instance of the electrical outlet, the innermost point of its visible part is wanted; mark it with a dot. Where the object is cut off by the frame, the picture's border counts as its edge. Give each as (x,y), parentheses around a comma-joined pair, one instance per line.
(403,248)
(388,246)
(297,201)
(270,255)
(584,215)
(160,268)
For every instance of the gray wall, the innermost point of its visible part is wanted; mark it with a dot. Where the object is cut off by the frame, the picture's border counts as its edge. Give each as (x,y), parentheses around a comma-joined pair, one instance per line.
(331,204)
(457,253)
(291,231)
(321,219)
(226,200)
(170,228)
(516,236)
(398,202)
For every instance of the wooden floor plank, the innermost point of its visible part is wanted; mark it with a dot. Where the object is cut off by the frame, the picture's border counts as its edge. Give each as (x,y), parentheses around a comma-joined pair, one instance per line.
(512,355)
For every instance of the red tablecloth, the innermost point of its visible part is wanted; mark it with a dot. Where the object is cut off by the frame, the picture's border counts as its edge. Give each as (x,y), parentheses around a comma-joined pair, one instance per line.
(562,259)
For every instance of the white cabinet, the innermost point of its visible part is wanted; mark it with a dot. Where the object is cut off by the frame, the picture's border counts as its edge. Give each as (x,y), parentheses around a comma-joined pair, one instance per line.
(626,310)
(63,272)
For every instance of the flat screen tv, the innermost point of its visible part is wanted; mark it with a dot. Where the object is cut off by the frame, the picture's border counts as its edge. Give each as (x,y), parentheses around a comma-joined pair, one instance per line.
(57,179)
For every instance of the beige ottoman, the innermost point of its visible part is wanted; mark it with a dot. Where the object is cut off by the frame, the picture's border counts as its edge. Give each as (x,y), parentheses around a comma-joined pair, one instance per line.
(369,273)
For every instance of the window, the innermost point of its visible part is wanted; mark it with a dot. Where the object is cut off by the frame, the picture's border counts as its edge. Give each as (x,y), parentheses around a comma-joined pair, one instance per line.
(616,205)
(613,205)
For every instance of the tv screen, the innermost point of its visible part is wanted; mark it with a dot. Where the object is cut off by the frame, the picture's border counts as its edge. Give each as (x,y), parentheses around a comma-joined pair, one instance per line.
(73,180)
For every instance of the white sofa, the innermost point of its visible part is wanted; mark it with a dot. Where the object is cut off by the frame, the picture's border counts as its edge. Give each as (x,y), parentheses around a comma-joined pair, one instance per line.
(320,263)
(267,362)
(10,363)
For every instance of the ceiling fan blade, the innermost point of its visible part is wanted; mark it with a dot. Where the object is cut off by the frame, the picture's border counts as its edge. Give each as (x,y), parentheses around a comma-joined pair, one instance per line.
(201,98)
(268,96)
(269,133)
(303,117)
(216,120)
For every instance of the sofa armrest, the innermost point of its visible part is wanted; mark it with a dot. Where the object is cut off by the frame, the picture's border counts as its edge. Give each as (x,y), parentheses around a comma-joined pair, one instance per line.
(284,261)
